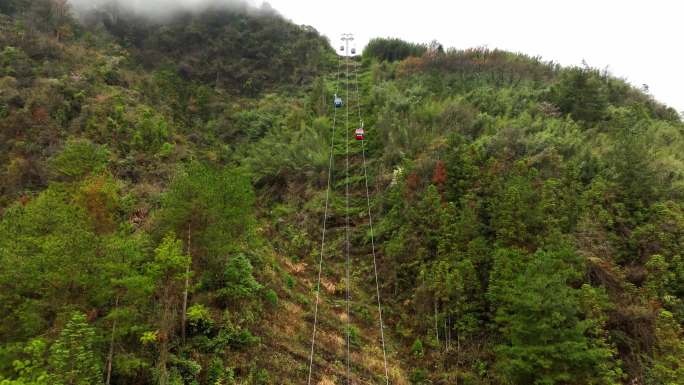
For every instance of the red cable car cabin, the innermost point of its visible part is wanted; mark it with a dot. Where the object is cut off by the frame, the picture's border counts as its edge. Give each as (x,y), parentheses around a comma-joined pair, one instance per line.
(359,133)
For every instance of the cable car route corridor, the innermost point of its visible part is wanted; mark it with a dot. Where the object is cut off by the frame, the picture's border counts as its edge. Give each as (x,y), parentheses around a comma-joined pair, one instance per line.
(356,246)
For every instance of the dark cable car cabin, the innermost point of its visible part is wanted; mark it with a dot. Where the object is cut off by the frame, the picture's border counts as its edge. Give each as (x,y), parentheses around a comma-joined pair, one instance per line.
(338,101)
(353,51)
(360,134)
(341,48)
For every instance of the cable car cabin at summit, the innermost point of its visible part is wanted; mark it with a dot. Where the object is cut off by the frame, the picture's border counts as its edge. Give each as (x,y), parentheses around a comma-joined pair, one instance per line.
(353,50)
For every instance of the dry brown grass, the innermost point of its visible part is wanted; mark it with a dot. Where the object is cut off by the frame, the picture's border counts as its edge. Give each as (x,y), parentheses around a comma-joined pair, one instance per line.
(333,342)
(326,381)
(397,376)
(342,315)
(372,359)
(290,320)
(328,285)
(295,267)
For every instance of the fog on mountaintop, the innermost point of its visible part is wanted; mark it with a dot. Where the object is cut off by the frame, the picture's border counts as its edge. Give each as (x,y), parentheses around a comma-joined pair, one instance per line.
(164,8)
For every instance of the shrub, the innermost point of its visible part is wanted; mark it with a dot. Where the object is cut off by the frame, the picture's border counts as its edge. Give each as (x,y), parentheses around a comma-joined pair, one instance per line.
(392,49)
(417,348)
(271,296)
(199,319)
(238,281)
(79,158)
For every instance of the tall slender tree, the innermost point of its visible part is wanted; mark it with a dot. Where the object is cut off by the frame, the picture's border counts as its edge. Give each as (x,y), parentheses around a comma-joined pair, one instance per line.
(212,210)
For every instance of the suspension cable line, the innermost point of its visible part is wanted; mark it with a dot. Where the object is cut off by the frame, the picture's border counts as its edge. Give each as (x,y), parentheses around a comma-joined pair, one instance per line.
(372,235)
(346,139)
(347,38)
(325,220)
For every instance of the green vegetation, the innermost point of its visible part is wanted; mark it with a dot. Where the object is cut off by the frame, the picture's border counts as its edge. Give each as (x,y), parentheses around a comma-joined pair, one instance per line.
(392,49)
(162,186)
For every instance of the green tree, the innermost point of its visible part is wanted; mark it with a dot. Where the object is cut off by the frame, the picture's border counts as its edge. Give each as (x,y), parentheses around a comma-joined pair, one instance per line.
(461,170)
(631,168)
(212,210)
(169,271)
(73,358)
(668,359)
(238,281)
(78,158)
(581,93)
(516,216)
(546,339)
(9,7)
(31,367)
(126,291)
(392,49)
(49,254)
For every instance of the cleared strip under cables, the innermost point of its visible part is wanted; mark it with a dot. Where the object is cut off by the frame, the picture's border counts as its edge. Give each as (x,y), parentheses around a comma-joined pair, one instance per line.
(346,138)
(372,235)
(325,220)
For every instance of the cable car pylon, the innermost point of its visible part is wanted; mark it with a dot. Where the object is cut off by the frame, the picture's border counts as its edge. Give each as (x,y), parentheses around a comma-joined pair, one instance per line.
(346,38)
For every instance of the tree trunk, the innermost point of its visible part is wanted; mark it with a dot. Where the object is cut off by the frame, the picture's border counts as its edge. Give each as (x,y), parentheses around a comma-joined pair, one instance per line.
(436,327)
(458,354)
(449,331)
(165,335)
(110,356)
(446,335)
(163,357)
(185,291)
(445,356)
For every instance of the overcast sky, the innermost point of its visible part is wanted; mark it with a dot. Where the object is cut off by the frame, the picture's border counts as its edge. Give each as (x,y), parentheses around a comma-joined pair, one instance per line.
(641,41)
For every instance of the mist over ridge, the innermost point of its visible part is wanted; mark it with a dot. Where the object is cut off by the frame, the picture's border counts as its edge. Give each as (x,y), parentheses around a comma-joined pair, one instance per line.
(161,9)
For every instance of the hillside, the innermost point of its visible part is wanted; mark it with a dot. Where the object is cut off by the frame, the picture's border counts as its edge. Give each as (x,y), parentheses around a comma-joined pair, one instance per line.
(163,187)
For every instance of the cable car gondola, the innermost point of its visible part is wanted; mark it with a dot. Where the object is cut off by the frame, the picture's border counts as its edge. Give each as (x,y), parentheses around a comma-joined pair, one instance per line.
(338,101)
(341,48)
(360,133)
(353,51)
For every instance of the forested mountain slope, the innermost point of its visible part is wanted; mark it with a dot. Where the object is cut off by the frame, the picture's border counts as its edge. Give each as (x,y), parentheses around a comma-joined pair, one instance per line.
(163,184)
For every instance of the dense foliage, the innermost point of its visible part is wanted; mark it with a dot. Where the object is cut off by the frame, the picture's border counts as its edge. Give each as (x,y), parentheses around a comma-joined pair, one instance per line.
(162,187)
(204,46)
(392,49)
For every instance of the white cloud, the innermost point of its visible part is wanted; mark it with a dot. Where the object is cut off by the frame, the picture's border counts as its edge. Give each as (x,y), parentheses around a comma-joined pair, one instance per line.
(157,8)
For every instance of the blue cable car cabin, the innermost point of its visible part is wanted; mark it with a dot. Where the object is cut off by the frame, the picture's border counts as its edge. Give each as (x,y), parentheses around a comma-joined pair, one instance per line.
(338,101)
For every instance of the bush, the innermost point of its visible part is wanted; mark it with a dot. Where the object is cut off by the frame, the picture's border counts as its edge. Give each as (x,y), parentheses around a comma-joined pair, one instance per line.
(418,376)
(236,337)
(271,296)
(417,348)
(289,281)
(392,49)
(580,92)
(259,376)
(79,158)
(199,319)
(238,281)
